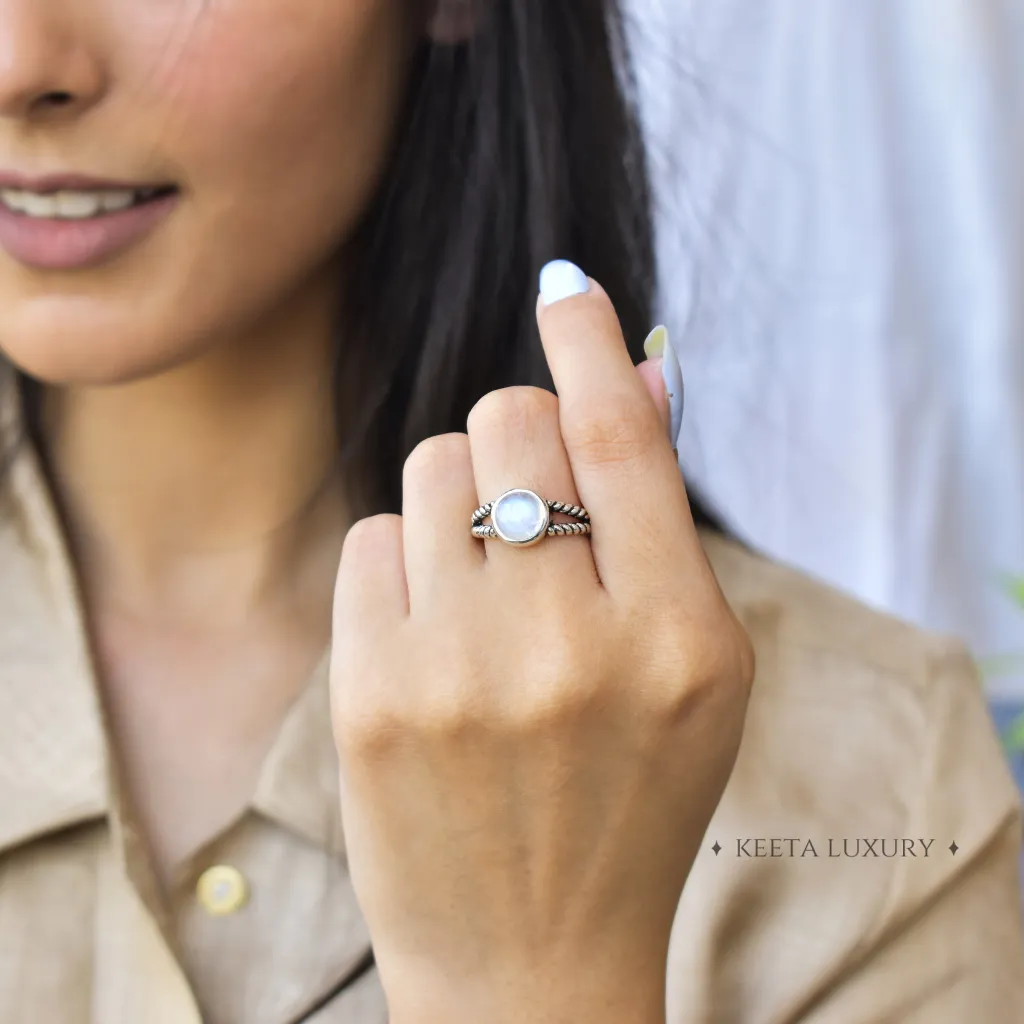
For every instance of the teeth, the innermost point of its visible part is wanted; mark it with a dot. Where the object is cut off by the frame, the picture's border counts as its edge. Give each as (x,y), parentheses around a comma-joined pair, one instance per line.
(73,205)
(70,205)
(39,206)
(119,199)
(12,199)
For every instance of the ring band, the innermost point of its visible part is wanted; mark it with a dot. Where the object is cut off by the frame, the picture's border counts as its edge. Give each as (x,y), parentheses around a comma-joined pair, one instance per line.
(521,518)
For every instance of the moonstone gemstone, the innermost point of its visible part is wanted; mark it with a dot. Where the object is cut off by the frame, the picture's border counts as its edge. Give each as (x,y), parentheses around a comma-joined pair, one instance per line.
(520,516)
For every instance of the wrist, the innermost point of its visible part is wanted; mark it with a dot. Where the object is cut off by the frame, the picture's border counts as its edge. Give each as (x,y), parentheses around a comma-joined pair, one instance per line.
(586,995)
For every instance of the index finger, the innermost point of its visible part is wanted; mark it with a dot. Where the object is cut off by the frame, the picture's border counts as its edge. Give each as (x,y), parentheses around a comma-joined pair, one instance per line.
(625,470)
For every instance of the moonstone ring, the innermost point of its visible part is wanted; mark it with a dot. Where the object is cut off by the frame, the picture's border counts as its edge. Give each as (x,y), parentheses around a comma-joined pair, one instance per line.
(522,518)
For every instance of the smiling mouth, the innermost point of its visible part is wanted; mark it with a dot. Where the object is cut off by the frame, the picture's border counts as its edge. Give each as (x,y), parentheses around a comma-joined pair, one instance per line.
(79,204)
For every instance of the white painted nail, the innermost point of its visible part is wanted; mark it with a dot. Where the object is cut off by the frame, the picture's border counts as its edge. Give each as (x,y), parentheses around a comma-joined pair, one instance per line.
(561,279)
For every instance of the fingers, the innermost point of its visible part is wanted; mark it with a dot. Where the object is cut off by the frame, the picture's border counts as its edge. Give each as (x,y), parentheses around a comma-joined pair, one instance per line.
(625,470)
(371,578)
(601,443)
(515,442)
(439,496)
(650,372)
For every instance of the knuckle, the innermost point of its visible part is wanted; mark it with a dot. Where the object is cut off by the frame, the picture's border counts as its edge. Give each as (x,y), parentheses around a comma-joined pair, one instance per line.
(615,433)
(434,458)
(451,718)
(550,711)
(452,700)
(364,728)
(370,740)
(712,664)
(562,685)
(513,410)
(367,538)
(724,657)
(745,658)
(698,659)
(452,706)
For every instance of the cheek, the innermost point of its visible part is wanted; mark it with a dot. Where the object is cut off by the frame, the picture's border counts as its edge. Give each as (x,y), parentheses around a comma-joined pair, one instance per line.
(285,105)
(276,117)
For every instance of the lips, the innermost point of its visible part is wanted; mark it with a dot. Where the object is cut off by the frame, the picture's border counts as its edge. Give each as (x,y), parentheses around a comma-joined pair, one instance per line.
(76,205)
(67,222)
(45,183)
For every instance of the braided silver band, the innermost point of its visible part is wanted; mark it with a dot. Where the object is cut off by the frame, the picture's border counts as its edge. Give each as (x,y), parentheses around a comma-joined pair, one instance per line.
(528,519)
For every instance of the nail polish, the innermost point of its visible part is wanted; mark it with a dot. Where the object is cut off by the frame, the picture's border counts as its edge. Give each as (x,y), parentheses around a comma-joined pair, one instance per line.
(561,279)
(659,346)
(654,346)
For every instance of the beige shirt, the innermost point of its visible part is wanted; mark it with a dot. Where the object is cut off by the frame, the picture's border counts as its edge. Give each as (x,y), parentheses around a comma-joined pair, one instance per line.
(864,737)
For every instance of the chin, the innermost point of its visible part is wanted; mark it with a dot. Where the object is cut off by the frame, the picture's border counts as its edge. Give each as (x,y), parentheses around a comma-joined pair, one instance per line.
(89,352)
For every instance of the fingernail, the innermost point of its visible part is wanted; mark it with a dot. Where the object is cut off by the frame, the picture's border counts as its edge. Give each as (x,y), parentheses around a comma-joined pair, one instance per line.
(654,346)
(658,346)
(561,279)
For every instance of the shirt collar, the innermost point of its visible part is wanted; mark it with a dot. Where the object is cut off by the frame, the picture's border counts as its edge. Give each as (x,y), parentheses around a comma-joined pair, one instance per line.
(55,766)
(300,784)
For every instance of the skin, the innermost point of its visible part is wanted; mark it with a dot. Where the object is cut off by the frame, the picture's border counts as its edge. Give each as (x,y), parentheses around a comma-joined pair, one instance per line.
(207,535)
(191,440)
(533,742)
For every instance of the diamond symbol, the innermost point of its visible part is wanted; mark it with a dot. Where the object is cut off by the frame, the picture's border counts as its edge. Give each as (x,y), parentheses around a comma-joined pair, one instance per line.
(953,847)
(716,848)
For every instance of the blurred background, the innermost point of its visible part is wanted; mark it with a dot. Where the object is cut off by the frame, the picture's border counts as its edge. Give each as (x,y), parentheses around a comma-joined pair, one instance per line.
(840,195)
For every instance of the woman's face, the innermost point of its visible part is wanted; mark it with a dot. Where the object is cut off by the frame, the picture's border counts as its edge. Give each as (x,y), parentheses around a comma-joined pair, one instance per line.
(271,119)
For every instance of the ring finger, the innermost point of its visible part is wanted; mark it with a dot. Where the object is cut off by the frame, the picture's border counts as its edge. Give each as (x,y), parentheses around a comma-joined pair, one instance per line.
(516,442)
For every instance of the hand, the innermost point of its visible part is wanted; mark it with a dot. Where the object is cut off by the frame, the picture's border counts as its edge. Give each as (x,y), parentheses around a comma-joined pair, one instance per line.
(533,741)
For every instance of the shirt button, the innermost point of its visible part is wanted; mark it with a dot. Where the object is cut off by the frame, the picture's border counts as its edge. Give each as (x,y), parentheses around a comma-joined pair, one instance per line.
(222,890)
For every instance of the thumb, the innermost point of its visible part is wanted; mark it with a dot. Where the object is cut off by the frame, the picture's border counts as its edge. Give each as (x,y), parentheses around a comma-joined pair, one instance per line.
(650,373)
(663,378)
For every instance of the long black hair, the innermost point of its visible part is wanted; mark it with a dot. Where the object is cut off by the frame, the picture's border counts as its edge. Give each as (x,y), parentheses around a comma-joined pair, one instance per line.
(517,146)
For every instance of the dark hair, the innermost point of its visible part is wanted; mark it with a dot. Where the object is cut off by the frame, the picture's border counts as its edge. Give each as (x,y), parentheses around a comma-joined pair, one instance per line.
(517,146)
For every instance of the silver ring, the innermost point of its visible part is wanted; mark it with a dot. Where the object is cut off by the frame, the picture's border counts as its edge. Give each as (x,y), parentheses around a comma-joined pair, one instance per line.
(522,518)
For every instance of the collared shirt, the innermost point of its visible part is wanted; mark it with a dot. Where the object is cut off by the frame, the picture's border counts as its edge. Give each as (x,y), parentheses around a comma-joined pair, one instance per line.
(860,867)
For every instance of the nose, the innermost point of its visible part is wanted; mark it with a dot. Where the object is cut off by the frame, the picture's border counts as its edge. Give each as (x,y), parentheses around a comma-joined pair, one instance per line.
(47,66)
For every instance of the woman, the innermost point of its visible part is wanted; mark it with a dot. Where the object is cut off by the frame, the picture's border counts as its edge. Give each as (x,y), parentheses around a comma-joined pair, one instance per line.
(268,279)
